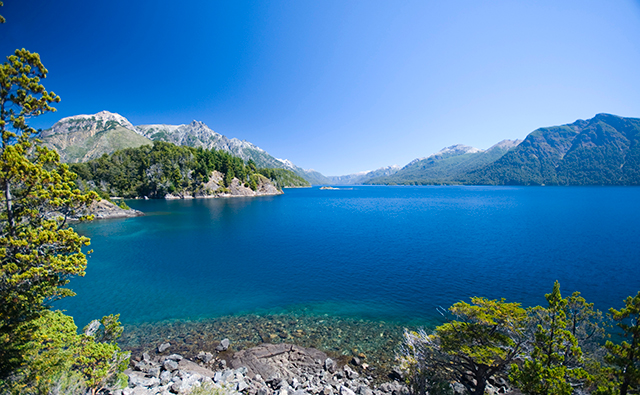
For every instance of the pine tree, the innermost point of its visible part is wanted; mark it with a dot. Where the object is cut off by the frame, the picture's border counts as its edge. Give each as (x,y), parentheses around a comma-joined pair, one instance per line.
(554,363)
(625,357)
(38,251)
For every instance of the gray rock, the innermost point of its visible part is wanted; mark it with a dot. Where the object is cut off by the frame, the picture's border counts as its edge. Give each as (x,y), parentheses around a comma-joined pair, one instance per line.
(92,328)
(327,390)
(165,377)
(355,361)
(170,365)
(175,357)
(146,357)
(163,347)
(217,377)
(364,390)
(241,386)
(176,387)
(330,365)
(139,380)
(205,357)
(350,373)
(154,371)
(346,391)
(223,346)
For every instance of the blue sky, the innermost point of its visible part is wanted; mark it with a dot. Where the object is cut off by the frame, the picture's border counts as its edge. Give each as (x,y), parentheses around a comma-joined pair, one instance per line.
(338,86)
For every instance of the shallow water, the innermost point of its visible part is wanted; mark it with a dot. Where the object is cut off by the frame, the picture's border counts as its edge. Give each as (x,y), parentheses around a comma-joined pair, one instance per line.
(391,254)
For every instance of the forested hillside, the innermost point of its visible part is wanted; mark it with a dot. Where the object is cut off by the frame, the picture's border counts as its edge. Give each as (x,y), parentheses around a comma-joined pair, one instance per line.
(165,168)
(604,150)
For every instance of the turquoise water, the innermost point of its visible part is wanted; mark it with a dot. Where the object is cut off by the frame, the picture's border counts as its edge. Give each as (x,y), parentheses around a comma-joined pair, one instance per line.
(377,253)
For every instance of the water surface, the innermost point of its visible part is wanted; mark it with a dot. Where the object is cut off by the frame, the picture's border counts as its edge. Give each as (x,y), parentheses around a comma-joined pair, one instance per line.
(373,253)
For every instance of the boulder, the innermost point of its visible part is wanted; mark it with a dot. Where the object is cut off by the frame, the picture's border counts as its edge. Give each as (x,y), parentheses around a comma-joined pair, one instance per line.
(163,347)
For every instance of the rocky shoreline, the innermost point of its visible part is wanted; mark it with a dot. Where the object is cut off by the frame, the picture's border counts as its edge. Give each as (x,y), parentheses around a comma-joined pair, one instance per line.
(281,354)
(267,369)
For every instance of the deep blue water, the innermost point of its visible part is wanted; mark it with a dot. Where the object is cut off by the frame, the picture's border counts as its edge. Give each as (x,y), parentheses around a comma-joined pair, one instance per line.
(381,253)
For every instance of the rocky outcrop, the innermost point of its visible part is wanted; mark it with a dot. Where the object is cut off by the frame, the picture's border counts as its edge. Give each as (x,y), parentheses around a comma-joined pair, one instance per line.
(215,188)
(101,209)
(104,209)
(268,369)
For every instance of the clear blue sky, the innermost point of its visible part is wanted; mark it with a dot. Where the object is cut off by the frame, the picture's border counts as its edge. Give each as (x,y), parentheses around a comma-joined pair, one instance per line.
(338,86)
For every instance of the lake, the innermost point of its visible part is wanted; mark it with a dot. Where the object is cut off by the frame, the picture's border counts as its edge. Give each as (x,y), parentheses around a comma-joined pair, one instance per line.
(368,253)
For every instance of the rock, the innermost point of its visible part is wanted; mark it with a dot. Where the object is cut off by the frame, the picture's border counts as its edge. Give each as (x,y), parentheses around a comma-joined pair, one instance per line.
(170,365)
(275,361)
(350,373)
(364,390)
(163,347)
(154,371)
(146,357)
(355,361)
(327,390)
(223,346)
(176,387)
(330,365)
(205,357)
(165,377)
(346,391)
(175,357)
(395,374)
(103,209)
(139,380)
(92,328)
(241,386)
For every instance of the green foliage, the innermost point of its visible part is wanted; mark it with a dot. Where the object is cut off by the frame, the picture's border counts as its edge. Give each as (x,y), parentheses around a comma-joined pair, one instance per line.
(486,336)
(624,358)
(284,178)
(556,361)
(163,168)
(209,389)
(57,354)
(38,252)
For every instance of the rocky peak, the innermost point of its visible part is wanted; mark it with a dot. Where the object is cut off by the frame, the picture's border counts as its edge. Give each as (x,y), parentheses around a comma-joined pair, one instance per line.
(91,122)
(505,144)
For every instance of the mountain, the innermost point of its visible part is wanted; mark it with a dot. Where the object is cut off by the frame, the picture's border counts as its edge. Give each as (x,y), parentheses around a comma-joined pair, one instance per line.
(604,150)
(446,165)
(197,134)
(84,137)
(363,177)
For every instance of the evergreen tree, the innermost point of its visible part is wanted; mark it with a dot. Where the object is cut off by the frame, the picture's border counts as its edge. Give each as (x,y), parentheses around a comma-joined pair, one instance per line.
(484,339)
(624,358)
(38,252)
(555,362)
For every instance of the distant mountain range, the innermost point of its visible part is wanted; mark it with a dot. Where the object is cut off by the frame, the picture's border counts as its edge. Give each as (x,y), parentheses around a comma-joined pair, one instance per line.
(604,150)
(363,177)
(446,165)
(84,137)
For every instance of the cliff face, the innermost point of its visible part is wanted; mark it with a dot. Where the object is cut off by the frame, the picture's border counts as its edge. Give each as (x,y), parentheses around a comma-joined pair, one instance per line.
(215,188)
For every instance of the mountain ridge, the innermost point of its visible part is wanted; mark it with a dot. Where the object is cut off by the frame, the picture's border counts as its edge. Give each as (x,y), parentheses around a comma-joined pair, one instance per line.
(80,138)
